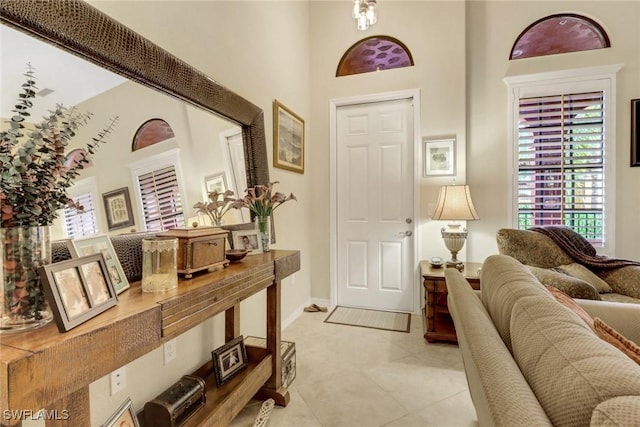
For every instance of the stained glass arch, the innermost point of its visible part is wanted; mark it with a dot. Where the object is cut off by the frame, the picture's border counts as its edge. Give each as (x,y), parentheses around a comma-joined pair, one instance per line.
(151,132)
(561,33)
(375,53)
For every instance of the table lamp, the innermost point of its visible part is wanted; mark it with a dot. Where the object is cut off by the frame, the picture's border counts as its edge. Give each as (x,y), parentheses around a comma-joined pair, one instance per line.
(454,204)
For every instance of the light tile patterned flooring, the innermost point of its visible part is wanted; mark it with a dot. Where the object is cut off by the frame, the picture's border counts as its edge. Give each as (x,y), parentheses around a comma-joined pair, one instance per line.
(357,377)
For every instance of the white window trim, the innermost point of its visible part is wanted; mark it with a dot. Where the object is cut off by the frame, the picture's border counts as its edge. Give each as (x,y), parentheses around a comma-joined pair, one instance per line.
(153,163)
(84,186)
(541,83)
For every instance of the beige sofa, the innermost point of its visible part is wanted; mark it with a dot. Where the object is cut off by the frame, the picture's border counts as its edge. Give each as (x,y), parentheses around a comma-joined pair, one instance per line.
(531,361)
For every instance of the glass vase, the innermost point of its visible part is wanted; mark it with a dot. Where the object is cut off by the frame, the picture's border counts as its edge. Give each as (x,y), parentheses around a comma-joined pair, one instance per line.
(159,264)
(23,251)
(264,230)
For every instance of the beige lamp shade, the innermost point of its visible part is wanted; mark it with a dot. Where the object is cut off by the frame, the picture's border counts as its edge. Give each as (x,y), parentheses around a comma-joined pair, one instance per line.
(454,203)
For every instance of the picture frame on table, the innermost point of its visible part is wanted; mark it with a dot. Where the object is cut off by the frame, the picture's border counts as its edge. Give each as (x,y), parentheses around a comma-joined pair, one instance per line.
(236,227)
(249,240)
(78,290)
(229,360)
(288,139)
(439,157)
(635,132)
(101,243)
(124,416)
(117,205)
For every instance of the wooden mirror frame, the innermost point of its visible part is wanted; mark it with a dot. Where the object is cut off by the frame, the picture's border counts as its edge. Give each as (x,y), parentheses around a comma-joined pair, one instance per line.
(79,28)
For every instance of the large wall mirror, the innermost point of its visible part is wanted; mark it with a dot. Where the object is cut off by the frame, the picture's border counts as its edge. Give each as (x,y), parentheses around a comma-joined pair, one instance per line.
(202,111)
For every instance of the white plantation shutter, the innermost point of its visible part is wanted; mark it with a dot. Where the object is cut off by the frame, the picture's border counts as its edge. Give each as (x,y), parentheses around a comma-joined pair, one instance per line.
(561,162)
(160,199)
(79,224)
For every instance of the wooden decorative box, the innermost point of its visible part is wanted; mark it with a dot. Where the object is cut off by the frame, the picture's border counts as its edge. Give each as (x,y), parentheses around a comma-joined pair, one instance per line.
(199,248)
(177,403)
(288,351)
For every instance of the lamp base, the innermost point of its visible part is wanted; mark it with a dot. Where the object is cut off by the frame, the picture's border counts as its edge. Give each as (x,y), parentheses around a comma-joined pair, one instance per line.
(454,241)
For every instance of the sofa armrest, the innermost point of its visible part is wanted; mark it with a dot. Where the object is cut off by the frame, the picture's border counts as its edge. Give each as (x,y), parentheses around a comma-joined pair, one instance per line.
(624,280)
(622,317)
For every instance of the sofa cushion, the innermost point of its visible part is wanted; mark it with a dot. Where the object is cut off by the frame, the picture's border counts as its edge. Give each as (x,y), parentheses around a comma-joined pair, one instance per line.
(619,411)
(583,273)
(617,340)
(531,248)
(570,370)
(569,303)
(503,281)
(572,286)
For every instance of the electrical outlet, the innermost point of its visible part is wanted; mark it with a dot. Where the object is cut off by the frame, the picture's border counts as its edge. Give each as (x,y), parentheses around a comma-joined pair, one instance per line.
(170,350)
(118,380)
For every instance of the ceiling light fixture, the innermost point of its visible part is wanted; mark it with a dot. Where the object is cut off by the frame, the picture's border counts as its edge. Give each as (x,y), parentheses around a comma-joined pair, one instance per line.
(364,11)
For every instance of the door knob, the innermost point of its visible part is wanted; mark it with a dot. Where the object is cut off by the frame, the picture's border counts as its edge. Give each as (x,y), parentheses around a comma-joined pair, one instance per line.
(407,233)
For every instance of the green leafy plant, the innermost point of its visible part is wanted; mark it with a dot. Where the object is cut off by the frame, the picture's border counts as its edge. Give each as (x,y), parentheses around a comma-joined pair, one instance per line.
(35,178)
(218,205)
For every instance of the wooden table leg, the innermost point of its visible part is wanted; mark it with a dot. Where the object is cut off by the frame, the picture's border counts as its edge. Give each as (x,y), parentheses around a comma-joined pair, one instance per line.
(273,388)
(69,411)
(232,323)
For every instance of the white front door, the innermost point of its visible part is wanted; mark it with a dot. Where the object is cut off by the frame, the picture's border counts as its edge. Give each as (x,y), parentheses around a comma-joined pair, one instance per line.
(374,177)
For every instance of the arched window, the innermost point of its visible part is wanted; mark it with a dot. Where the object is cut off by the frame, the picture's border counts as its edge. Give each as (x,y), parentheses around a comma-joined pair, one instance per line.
(151,132)
(74,156)
(560,33)
(374,53)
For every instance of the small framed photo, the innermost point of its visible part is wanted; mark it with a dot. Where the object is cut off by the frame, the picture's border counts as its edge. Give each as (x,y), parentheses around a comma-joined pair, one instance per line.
(216,182)
(635,132)
(288,139)
(250,226)
(101,244)
(117,205)
(439,157)
(249,240)
(229,360)
(123,417)
(78,290)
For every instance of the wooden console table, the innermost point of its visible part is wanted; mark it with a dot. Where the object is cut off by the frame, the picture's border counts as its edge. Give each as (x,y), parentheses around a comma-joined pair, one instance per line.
(438,324)
(47,369)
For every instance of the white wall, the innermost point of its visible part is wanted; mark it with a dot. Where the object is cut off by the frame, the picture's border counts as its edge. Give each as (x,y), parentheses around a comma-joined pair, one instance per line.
(434,34)
(492,29)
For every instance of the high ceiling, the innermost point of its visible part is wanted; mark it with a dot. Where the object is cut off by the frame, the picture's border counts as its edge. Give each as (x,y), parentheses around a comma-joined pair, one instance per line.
(72,80)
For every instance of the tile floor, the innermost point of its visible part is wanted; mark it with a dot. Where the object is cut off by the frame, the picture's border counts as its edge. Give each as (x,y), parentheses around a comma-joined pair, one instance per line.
(357,377)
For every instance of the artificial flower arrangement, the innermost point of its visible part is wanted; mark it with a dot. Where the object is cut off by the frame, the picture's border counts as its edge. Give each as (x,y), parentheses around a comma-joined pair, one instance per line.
(261,200)
(35,178)
(218,205)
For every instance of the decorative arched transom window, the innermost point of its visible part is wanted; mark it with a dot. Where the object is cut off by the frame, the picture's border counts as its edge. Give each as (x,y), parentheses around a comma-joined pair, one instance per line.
(151,132)
(75,156)
(560,33)
(375,53)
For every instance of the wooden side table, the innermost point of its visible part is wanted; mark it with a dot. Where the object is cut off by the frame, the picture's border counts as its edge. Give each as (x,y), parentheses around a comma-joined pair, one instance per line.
(438,324)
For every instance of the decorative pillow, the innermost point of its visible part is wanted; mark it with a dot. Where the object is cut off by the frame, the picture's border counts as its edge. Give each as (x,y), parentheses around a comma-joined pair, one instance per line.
(572,286)
(614,338)
(568,302)
(583,273)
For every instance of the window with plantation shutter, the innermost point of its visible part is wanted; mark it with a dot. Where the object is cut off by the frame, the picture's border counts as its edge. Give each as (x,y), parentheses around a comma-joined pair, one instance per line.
(160,199)
(561,131)
(561,163)
(81,223)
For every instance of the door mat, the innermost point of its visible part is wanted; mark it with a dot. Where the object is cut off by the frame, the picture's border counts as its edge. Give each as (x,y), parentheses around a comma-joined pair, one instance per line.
(365,318)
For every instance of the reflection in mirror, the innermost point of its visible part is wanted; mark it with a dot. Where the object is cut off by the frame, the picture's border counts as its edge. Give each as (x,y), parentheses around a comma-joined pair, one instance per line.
(203,145)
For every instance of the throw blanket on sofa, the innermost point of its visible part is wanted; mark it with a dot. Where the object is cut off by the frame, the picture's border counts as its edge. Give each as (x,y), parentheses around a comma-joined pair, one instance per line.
(578,248)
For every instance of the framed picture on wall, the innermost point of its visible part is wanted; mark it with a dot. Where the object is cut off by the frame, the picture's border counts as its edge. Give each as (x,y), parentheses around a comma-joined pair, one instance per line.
(216,182)
(439,157)
(288,139)
(117,205)
(635,132)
